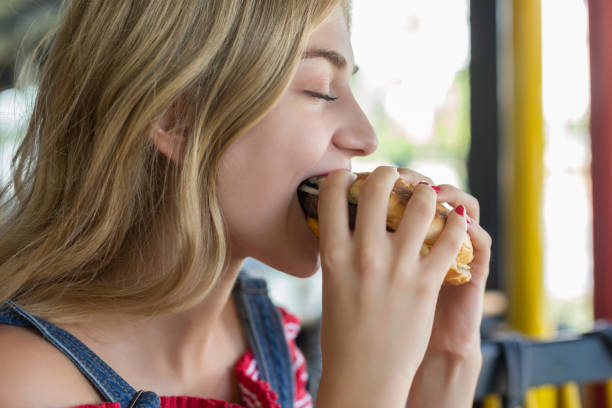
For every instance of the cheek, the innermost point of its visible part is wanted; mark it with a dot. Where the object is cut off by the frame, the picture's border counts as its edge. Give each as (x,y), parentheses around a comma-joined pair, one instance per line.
(287,142)
(297,136)
(258,178)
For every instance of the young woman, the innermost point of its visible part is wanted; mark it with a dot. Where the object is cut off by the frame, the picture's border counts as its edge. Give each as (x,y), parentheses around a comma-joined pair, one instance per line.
(166,145)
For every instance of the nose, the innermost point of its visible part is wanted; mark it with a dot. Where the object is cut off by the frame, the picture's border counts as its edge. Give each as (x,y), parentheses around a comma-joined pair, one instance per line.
(355,134)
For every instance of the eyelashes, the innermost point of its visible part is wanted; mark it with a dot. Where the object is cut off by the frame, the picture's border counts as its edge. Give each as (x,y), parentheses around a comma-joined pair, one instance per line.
(325,97)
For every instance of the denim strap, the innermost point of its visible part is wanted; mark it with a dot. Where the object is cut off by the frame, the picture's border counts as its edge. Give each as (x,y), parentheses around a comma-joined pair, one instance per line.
(109,384)
(266,335)
(262,322)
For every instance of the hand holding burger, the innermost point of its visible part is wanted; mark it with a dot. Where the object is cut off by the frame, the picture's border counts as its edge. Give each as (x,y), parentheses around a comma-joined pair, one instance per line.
(458,273)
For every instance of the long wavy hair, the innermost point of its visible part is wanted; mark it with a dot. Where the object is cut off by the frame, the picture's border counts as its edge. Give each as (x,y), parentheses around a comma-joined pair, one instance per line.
(90,191)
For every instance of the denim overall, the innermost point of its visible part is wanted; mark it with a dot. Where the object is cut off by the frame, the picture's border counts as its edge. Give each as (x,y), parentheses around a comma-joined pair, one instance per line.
(260,317)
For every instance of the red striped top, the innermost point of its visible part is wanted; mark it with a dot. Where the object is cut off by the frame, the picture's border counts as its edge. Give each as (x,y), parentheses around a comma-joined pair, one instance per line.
(254,392)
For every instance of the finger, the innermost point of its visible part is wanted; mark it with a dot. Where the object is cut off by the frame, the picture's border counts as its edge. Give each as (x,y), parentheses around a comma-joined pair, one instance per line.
(481,241)
(444,251)
(333,208)
(456,197)
(414,177)
(373,200)
(415,223)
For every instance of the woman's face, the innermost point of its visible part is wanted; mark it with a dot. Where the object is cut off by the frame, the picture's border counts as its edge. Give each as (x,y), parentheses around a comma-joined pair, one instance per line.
(302,136)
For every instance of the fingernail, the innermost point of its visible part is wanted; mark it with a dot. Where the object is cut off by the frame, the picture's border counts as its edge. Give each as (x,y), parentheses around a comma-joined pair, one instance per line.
(435,188)
(460,210)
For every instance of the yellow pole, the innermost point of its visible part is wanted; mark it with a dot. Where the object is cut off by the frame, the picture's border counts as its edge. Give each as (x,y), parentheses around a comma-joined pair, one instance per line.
(525,149)
(526,140)
(492,401)
(570,396)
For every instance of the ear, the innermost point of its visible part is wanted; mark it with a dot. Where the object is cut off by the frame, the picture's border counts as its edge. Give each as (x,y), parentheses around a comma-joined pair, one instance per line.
(169,143)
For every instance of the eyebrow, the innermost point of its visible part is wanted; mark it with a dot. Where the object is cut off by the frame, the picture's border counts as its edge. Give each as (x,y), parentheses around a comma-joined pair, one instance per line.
(335,58)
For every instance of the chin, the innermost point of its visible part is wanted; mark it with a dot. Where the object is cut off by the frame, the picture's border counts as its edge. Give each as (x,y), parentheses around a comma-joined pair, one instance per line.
(291,248)
(297,269)
(298,257)
(303,269)
(300,262)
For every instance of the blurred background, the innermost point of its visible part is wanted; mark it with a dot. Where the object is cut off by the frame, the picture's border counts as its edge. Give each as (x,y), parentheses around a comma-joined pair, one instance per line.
(415,85)
(492,96)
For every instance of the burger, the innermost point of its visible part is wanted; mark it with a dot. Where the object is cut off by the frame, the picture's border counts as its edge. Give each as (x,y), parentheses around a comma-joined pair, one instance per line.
(308,195)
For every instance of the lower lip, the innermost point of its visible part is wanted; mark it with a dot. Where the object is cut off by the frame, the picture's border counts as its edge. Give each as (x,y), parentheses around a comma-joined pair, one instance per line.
(331,171)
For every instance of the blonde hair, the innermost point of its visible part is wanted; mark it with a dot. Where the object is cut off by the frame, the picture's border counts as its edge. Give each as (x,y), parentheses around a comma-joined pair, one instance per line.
(90,188)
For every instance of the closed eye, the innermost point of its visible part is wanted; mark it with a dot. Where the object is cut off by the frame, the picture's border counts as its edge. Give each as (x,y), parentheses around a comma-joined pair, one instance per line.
(325,97)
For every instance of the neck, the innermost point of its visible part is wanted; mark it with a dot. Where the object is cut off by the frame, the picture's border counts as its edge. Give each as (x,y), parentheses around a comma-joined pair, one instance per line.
(184,343)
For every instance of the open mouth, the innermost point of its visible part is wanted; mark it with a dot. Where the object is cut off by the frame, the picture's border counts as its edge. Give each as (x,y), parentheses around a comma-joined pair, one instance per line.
(308,196)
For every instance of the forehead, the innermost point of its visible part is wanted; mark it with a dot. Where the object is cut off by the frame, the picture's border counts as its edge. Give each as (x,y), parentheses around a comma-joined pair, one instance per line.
(333,34)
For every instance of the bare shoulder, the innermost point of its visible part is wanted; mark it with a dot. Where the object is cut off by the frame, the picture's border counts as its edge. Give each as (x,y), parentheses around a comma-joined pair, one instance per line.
(35,374)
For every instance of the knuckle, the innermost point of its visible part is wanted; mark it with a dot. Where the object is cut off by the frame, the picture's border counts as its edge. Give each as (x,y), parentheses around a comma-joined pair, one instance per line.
(422,201)
(487,239)
(453,239)
(385,170)
(421,175)
(413,176)
(464,349)
(382,174)
(407,172)
(475,204)
(369,260)
(332,257)
(426,179)
(375,187)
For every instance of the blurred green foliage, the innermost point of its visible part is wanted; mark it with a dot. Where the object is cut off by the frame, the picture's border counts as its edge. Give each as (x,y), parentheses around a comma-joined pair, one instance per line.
(451,133)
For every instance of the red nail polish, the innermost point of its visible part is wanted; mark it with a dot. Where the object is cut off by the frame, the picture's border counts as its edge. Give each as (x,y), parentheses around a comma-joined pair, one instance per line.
(460,210)
(435,188)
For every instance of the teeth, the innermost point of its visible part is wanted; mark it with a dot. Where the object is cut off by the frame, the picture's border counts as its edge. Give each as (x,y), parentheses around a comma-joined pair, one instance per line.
(308,189)
(308,196)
